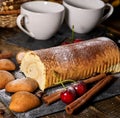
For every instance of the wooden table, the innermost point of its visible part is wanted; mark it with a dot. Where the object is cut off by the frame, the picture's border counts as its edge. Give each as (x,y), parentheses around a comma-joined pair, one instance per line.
(109,108)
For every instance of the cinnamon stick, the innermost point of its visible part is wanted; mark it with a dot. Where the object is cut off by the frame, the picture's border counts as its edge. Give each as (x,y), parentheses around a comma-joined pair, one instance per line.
(52,98)
(84,98)
(94,78)
(56,96)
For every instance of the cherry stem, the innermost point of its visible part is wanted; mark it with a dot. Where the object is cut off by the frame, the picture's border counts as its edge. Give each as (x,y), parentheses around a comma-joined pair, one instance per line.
(62,85)
(69,80)
(73,34)
(61,82)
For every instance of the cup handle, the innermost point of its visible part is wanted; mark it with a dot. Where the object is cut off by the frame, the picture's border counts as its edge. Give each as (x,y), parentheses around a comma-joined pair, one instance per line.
(19,19)
(111,9)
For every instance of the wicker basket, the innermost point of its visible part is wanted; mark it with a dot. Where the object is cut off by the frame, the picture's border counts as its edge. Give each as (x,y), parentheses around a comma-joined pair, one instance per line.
(8,20)
(9,10)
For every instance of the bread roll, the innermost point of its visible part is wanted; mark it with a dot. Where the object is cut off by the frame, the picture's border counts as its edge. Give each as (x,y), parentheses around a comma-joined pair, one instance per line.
(23,84)
(5,77)
(73,61)
(20,56)
(7,64)
(23,101)
(4,54)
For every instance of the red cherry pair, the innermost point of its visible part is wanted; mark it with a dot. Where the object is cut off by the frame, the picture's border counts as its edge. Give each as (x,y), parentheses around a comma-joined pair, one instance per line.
(65,43)
(70,94)
(75,41)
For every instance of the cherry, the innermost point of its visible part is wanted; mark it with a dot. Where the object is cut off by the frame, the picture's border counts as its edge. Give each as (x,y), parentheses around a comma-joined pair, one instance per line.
(69,95)
(65,43)
(77,40)
(80,88)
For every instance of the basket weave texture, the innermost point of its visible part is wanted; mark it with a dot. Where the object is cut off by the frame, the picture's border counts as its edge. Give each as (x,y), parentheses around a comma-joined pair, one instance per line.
(8,20)
(9,10)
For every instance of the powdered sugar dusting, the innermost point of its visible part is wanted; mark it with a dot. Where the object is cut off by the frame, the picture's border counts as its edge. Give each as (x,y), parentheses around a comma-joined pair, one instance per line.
(82,49)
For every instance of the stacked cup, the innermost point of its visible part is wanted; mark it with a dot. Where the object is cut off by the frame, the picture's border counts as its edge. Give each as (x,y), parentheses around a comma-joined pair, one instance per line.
(42,19)
(85,15)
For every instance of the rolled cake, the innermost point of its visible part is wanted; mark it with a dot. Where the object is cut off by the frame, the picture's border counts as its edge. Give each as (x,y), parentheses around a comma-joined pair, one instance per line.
(73,61)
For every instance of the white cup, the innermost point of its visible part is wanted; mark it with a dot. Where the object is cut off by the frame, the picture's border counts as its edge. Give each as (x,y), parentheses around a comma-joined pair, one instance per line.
(84,15)
(40,19)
